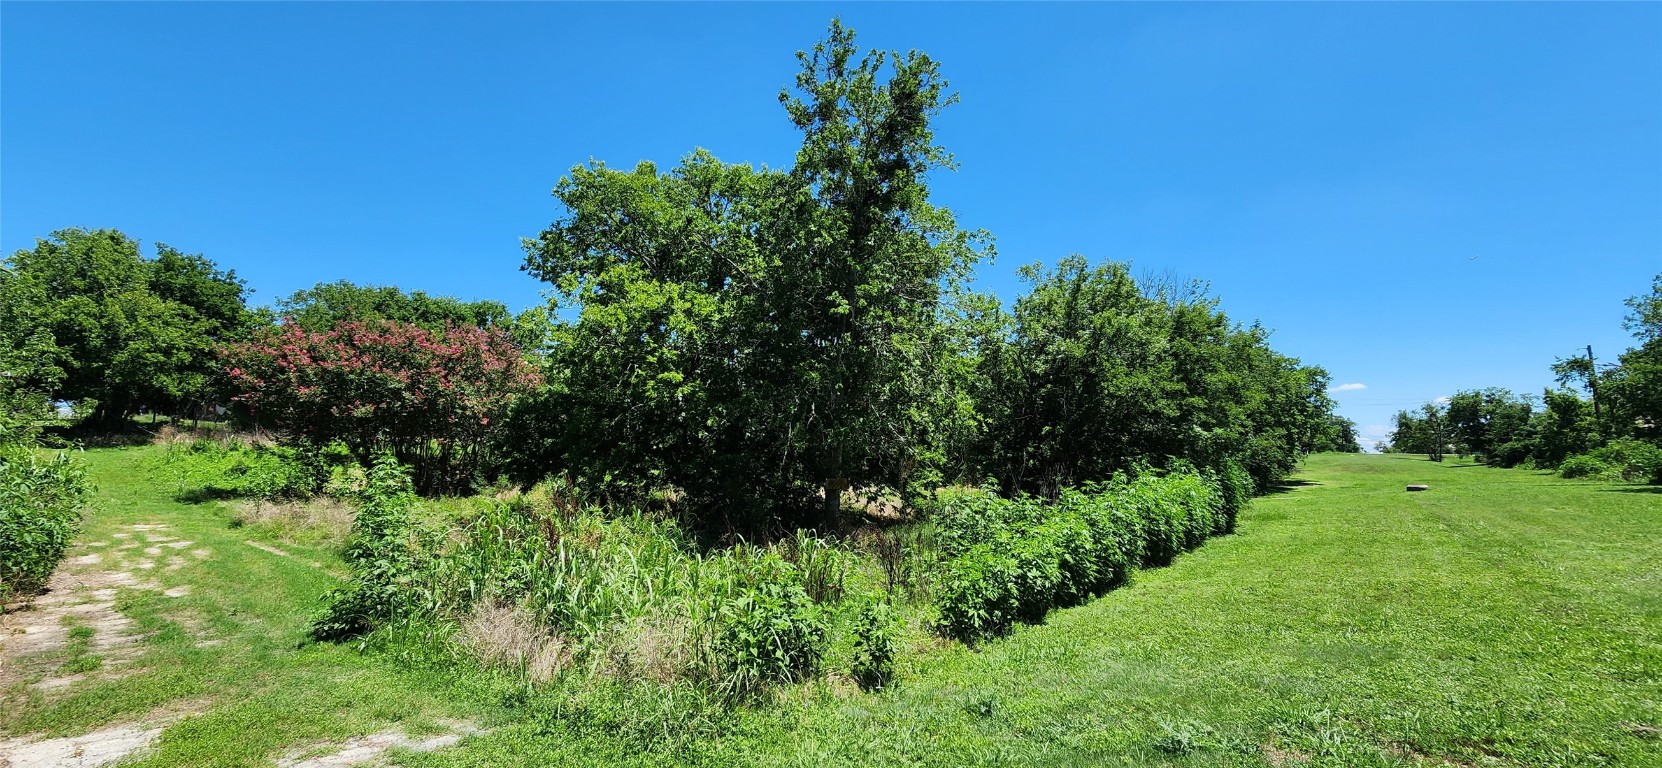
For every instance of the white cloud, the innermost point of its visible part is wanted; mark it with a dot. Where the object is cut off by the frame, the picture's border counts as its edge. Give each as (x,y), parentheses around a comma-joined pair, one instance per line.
(1441,400)
(1371,434)
(1347,387)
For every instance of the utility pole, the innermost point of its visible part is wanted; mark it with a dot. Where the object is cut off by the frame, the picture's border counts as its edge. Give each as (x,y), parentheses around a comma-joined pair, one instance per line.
(1593,387)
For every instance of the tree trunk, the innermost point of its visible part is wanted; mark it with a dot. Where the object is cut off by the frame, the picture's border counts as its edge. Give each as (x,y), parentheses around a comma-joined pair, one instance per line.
(832,509)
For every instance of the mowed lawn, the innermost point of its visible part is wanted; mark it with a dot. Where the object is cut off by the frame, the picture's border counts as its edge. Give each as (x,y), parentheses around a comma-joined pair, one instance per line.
(1504,617)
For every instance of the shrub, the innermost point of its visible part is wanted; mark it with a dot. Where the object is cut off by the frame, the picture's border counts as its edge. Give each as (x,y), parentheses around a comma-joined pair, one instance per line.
(1619,460)
(1584,466)
(1635,460)
(976,594)
(41,500)
(1010,559)
(875,640)
(768,630)
(1235,487)
(382,556)
(1162,520)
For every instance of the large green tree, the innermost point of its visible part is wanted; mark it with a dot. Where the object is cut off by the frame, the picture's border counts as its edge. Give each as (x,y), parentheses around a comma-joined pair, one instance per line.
(754,338)
(105,324)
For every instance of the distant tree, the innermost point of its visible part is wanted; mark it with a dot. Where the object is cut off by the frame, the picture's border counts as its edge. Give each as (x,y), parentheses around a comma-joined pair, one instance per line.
(1480,422)
(326,305)
(1424,432)
(106,325)
(1338,435)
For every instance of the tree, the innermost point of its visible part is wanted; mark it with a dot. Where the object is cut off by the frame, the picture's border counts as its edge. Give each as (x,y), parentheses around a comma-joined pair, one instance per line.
(1562,428)
(1634,386)
(1093,375)
(126,332)
(1339,435)
(326,305)
(430,399)
(754,338)
(1423,432)
(1480,422)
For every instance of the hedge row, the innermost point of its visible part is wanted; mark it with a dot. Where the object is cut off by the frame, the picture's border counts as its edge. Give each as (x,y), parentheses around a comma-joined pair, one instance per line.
(1009,560)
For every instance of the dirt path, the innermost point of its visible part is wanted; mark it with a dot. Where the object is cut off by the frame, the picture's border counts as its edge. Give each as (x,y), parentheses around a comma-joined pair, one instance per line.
(73,633)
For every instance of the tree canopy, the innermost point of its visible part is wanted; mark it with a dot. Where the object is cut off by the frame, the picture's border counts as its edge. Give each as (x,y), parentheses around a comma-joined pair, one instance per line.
(93,320)
(760,338)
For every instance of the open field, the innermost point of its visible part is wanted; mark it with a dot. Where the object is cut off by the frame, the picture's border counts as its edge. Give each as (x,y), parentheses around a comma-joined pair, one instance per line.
(1503,618)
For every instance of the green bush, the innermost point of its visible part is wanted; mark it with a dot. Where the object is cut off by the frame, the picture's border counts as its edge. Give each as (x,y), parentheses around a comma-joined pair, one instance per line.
(1584,466)
(1010,560)
(976,594)
(1235,487)
(769,630)
(382,554)
(231,468)
(1619,460)
(876,638)
(41,499)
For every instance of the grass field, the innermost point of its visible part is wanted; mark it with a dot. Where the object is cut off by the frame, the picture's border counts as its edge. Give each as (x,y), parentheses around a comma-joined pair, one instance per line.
(1505,617)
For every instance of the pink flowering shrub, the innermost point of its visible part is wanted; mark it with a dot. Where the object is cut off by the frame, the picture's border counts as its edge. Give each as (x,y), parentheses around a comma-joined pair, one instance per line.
(430,398)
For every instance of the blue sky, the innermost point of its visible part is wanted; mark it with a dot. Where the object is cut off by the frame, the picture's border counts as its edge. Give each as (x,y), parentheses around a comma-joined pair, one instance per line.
(1419,197)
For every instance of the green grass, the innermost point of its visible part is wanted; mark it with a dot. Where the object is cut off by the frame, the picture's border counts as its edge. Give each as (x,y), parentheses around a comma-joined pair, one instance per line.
(1505,617)
(259,689)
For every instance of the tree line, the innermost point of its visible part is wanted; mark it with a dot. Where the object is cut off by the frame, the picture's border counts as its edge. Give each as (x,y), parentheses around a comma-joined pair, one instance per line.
(746,344)
(1598,420)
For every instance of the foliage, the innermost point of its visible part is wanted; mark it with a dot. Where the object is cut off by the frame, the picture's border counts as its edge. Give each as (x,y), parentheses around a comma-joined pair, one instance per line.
(41,500)
(428,398)
(99,322)
(326,305)
(1424,432)
(1621,459)
(1339,435)
(1481,422)
(232,468)
(1633,388)
(1014,560)
(760,340)
(768,628)
(381,553)
(1584,466)
(1093,374)
(876,640)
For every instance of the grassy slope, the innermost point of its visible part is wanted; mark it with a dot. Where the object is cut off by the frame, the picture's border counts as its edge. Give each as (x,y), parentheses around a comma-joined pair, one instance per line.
(1503,618)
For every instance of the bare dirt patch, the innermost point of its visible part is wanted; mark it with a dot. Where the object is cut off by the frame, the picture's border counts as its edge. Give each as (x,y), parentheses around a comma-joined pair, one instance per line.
(359,750)
(32,637)
(77,608)
(100,747)
(1278,755)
